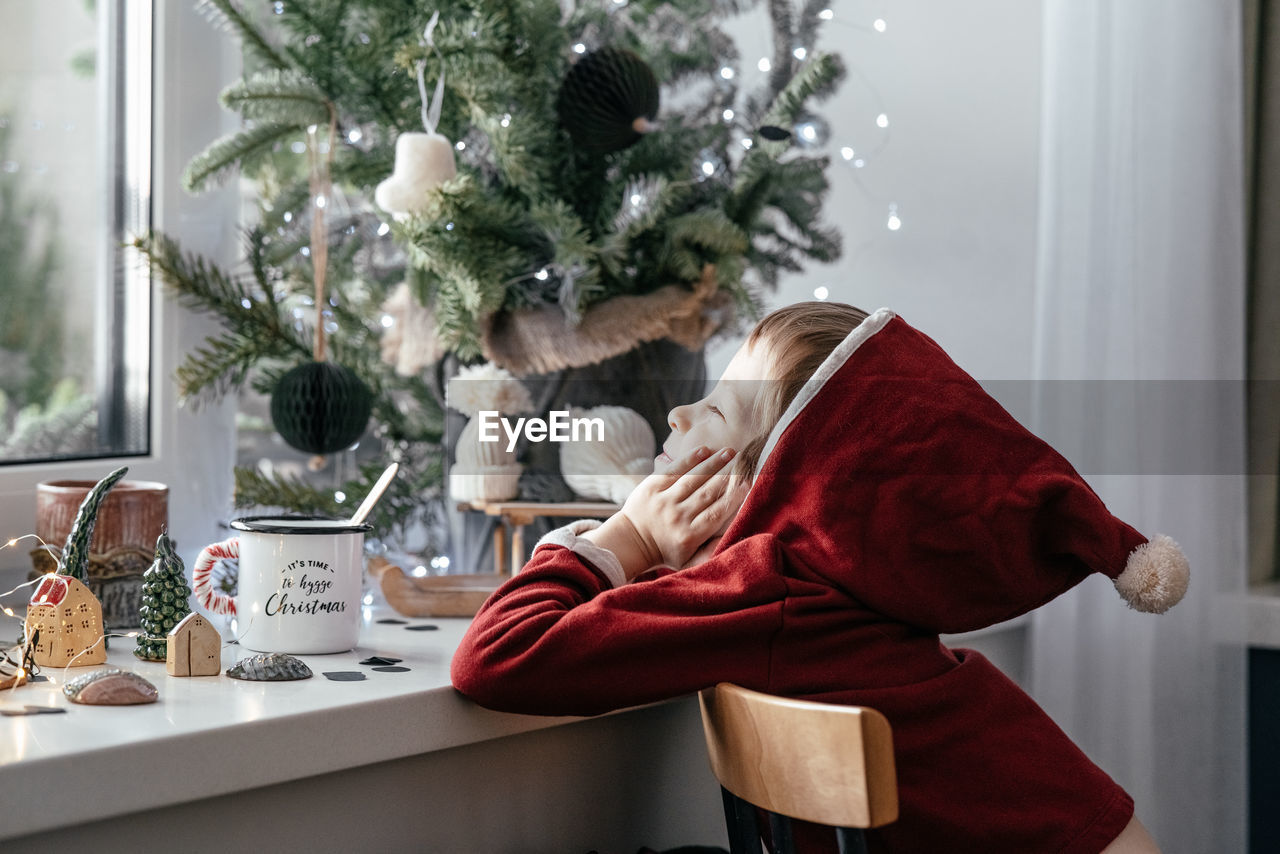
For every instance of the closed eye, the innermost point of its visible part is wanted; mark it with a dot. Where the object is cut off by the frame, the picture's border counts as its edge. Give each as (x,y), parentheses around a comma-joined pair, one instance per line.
(717,412)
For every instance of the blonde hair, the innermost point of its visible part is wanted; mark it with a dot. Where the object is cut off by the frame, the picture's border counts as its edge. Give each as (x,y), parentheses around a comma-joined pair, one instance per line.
(799,337)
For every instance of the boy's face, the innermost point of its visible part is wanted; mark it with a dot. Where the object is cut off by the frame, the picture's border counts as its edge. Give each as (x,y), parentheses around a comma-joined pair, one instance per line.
(725,417)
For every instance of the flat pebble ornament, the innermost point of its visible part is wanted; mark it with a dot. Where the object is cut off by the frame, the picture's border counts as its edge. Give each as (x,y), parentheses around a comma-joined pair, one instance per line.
(269,667)
(110,687)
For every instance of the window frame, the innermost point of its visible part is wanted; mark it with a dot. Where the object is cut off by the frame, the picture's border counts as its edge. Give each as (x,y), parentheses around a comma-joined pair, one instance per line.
(191,451)
(123,300)
(124,354)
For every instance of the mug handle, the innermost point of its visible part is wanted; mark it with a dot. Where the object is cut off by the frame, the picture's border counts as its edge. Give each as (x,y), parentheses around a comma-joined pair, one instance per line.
(213,600)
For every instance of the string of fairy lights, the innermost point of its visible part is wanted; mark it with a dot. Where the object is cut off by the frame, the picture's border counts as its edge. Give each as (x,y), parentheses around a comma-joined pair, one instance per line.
(27,639)
(22,672)
(813,132)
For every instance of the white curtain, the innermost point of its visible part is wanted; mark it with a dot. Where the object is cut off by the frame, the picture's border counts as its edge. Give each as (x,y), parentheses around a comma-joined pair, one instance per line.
(1139,357)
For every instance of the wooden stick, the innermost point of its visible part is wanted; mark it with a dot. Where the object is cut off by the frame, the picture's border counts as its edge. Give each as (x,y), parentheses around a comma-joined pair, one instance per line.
(321,186)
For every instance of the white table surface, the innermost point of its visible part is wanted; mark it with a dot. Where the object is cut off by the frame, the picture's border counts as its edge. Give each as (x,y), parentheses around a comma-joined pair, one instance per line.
(212,735)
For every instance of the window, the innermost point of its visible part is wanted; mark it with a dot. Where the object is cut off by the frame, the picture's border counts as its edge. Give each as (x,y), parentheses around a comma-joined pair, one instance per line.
(75,172)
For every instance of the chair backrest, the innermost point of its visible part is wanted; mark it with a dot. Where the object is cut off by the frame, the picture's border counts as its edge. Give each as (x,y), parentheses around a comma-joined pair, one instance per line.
(818,762)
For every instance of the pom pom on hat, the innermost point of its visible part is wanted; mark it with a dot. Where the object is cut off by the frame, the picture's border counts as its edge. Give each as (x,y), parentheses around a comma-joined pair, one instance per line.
(1155,577)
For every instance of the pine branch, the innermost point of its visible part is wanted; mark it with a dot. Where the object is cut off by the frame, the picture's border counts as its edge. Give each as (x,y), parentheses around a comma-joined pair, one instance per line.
(818,77)
(278,96)
(235,150)
(254,489)
(255,330)
(228,16)
(219,365)
(404,500)
(784,38)
(809,23)
(752,188)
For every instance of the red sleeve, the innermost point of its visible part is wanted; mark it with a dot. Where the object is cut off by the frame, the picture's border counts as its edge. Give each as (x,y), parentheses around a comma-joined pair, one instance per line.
(557,639)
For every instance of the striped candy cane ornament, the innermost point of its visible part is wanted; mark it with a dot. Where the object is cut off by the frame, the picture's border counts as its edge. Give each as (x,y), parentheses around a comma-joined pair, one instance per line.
(213,600)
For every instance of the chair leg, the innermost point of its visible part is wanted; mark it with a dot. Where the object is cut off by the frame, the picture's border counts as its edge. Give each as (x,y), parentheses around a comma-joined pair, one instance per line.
(740,819)
(851,840)
(780,832)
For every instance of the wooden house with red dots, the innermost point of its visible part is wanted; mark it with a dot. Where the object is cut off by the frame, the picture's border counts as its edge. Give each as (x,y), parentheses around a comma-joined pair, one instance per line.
(69,619)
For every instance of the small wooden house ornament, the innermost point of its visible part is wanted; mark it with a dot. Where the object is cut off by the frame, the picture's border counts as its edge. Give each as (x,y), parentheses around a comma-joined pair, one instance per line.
(69,619)
(195,648)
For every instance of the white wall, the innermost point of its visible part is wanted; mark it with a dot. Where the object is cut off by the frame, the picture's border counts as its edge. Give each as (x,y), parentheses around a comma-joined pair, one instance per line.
(960,84)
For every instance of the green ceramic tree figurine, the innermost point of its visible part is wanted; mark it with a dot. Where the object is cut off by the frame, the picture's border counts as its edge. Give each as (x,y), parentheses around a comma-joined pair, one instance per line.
(75,553)
(165,601)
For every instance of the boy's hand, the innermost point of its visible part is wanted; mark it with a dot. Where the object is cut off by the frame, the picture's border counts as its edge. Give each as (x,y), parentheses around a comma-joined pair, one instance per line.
(668,516)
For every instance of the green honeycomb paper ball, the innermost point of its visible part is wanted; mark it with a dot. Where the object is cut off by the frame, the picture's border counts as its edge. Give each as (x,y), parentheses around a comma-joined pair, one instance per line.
(320,407)
(606,98)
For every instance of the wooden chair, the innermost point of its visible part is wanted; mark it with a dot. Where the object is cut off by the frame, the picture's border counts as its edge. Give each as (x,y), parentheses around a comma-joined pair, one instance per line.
(797,759)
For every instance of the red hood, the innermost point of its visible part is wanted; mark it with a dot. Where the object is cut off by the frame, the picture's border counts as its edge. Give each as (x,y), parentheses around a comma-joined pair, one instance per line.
(894,477)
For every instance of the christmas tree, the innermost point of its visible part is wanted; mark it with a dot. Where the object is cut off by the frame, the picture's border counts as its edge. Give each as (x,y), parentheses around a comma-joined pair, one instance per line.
(165,601)
(554,197)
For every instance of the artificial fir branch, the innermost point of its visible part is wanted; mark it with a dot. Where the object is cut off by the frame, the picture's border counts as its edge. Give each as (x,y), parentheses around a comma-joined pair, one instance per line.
(808,23)
(235,150)
(816,79)
(530,219)
(401,504)
(203,286)
(228,15)
(223,361)
(281,96)
(219,365)
(254,489)
(783,43)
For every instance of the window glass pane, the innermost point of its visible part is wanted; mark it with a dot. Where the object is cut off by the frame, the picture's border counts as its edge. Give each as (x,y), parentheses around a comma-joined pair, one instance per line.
(74,187)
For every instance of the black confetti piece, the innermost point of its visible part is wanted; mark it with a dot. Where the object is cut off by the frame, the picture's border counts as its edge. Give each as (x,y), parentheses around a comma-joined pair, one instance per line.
(392,668)
(774,133)
(344,675)
(378,659)
(391,621)
(427,627)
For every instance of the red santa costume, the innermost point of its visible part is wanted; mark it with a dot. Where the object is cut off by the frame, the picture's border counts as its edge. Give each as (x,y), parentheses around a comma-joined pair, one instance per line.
(895,500)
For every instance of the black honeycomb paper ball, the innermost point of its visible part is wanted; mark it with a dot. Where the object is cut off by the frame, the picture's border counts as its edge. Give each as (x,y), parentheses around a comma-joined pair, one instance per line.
(603,95)
(320,407)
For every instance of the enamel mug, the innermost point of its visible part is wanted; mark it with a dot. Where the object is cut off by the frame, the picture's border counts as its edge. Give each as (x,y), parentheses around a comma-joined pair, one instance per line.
(299,584)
